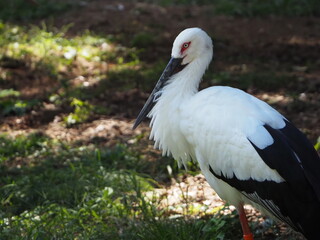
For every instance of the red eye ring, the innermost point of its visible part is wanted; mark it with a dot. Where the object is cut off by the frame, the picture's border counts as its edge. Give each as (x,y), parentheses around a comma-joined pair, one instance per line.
(185,46)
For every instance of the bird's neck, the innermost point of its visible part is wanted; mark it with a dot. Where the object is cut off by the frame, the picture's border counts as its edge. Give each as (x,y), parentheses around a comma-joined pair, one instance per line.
(166,114)
(185,83)
(180,88)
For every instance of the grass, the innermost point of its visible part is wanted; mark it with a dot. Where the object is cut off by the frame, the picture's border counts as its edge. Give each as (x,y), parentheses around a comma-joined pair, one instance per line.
(255,7)
(11,104)
(264,8)
(48,54)
(22,10)
(21,146)
(75,70)
(41,48)
(27,10)
(57,190)
(194,229)
(264,81)
(84,192)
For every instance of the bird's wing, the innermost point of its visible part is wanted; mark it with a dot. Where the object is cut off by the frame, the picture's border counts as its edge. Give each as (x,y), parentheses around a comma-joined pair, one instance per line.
(292,156)
(258,152)
(296,200)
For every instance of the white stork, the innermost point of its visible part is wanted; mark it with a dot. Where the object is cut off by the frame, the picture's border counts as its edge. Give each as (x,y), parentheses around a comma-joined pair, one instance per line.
(248,152)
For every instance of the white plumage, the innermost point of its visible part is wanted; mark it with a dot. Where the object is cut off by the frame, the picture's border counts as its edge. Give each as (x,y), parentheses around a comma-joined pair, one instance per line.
(228,132)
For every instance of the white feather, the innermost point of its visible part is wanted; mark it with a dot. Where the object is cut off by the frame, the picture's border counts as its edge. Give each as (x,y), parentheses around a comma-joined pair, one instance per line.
(212,126)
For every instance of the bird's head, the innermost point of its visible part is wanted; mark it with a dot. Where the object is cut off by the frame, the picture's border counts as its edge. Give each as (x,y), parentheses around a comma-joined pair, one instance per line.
(190,46)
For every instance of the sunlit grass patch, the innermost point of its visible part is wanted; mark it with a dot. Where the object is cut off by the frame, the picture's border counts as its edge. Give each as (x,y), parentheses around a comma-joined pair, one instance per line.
(66,68)
(38,46)
(82,111)
(47,47)
(50,50)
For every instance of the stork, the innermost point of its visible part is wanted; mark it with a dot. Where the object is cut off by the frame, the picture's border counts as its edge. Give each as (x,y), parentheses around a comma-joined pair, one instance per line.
(248,152)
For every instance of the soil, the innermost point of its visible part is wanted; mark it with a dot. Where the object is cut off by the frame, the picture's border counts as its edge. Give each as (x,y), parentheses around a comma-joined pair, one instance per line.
(279,44)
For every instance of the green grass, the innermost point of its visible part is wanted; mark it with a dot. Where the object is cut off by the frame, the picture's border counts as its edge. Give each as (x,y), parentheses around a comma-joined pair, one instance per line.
(193,229)
(66,192)
(47,54)
(21,146)
(10,104)
(22,10)
(265,8)
(44,49)
(254,8)
(51,189)
(261,80)
(317,145)
(26,10)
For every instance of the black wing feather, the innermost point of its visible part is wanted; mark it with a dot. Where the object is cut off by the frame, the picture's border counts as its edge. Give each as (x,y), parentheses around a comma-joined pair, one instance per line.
(307,154)
(266,194)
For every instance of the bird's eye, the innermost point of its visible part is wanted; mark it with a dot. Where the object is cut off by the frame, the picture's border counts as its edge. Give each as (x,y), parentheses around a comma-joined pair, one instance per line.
(185,46)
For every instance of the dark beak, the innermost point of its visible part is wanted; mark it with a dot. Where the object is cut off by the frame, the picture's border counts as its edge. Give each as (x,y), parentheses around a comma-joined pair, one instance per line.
(173,67)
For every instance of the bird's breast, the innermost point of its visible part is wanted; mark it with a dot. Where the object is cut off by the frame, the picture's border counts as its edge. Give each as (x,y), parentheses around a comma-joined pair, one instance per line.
(166,130)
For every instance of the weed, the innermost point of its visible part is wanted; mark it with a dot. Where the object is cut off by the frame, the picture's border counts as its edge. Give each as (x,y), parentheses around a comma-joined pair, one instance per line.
(82,111)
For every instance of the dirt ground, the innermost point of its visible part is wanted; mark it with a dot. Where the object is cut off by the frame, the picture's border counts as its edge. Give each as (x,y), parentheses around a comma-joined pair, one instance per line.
(279,44)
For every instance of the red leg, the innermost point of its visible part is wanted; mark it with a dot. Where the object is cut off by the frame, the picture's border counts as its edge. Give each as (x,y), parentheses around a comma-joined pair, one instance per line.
(247,235)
